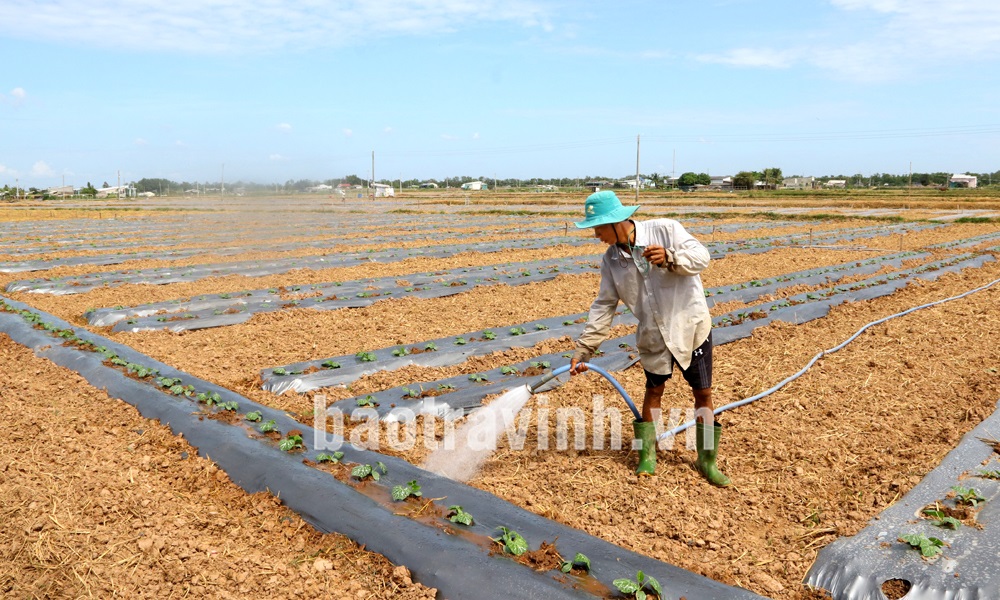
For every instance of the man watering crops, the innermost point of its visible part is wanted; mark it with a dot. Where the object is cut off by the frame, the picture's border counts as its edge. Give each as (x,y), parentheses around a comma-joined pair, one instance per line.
(654,268)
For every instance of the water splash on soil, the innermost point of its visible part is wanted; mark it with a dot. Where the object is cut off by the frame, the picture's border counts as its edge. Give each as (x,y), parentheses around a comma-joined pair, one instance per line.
(476,440)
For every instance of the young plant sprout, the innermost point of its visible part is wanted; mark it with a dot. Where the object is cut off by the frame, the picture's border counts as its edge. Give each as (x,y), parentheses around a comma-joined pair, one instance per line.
(636,588)
(929,546)
(331,458)
(512,541)
(253,416)
(402,492)
(458,515)
(363,471)
(579,561)
(292,442)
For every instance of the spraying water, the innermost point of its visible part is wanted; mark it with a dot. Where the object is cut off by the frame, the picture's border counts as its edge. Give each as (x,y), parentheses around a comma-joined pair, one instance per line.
(477,438)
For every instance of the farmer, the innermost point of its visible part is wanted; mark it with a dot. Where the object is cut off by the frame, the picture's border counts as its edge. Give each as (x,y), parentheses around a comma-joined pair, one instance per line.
(654,268)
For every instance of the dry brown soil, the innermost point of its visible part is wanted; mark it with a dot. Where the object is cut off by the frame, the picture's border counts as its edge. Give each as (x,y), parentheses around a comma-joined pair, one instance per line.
(98,501)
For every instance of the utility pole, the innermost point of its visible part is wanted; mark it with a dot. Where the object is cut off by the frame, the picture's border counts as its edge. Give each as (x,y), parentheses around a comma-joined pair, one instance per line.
(373,175)
(637,169)
(223,179)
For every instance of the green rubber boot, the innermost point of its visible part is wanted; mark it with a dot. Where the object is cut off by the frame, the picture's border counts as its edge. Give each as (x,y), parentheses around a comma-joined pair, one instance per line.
(707,455)
(645,431)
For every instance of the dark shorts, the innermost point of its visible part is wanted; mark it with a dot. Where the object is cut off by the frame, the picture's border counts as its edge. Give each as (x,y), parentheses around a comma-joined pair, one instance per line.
(698,374)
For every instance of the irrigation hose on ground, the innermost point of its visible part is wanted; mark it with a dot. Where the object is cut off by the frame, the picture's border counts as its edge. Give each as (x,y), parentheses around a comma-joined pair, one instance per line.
(591,367)
(680,428)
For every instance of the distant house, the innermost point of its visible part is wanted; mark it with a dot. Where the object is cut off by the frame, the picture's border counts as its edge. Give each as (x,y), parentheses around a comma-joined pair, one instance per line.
(475,185)
(836,183)
(631,183)
(61,190)
(119,191)
(383,191)
(799,183)
(721,182)
(962,181)
(320,188)
(428,184)
(596,186)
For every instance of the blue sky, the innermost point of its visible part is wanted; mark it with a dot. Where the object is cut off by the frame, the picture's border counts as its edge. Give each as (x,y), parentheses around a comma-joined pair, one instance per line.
(268,91)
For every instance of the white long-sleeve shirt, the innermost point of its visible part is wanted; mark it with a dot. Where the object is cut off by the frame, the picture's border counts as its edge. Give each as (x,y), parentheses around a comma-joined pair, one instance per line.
(668,303)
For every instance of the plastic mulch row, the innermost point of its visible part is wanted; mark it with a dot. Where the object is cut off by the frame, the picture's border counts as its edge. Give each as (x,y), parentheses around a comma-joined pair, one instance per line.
(462,562)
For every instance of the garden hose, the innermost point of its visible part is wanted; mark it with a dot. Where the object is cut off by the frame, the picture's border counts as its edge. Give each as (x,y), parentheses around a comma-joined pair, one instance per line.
(592,367)
(680,428)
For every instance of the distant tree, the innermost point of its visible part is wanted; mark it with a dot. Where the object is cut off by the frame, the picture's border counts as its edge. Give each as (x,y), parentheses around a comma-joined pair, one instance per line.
(745,180)
(688,179)
(88,190)
(772,177)
(106,185)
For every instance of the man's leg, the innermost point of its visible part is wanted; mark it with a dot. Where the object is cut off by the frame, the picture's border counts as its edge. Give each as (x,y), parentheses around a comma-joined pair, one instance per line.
(707,430)
(645,429)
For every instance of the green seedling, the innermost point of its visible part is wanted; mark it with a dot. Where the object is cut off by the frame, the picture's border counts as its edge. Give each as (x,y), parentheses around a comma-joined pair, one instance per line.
(140,371)
(478,377)
(182,390)
(929,546)
(579,561)
(941,519)
(968,496)
(518,331)
(267,426)
(541,327)
(509,370)
(363,471)
(253,416)
(279,371)
(411,393)
(167,382)
(329,364)
(292,442)
(401,351)
(567,323)
(489,335)
(232,405)
(458,515)
(460,341)
(365,356)
(402,492)
(367,401)
(636,588)
(988,474)
(445,386)
(331,458)
(209,398)
(512,541)
(540,364)
(430,346)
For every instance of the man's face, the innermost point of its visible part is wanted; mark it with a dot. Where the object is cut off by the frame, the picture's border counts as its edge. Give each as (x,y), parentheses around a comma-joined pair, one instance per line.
(606,233)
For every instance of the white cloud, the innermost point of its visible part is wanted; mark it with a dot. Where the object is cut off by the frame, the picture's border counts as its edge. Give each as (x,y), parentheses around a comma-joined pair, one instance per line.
(899,39)
(387,129)
(9,172)
(752,57)
(180,144)
(448,137)
(16,97)
(141,142)
(277,157)
(283,127)
(348,132)
(475,136)
(41,169)
(223,26)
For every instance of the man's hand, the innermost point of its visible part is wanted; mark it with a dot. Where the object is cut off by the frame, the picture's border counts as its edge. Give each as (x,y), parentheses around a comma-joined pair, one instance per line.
(576,366)
(659,256)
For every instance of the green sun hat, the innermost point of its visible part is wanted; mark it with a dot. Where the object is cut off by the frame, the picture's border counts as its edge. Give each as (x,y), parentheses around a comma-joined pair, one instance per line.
(602,208)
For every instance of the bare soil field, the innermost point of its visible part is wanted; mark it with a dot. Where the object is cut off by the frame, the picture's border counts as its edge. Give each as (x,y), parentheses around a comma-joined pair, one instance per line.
(102,502)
